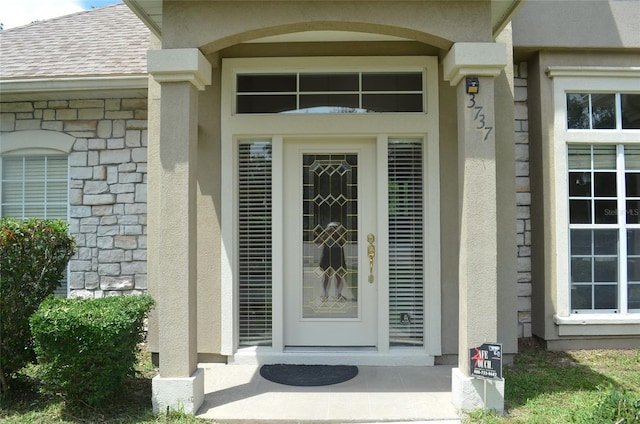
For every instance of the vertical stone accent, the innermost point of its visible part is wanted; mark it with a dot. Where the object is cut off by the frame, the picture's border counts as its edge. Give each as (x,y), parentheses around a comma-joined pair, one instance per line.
(107,187)
(523,199)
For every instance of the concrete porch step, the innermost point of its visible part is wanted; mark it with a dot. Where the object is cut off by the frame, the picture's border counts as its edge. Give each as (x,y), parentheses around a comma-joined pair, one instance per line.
(238,394)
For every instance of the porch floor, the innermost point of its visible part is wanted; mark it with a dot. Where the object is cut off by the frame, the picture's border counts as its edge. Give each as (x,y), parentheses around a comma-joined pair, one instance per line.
(238,394)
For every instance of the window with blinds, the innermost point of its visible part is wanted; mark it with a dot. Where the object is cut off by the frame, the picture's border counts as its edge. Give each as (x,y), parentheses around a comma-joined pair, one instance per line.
(35,187)
(406,244)
(254,243)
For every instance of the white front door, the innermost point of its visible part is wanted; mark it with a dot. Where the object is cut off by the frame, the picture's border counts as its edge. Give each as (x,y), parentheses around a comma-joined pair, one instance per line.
(330,287)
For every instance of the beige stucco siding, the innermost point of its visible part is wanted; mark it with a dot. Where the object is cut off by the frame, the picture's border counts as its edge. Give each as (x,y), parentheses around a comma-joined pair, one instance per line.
(216,25)
(569,24)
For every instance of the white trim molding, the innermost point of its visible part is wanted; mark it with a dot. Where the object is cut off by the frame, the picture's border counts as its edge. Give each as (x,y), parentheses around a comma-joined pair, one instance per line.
(178,65)
(598,325)
(593,71)
(50,85)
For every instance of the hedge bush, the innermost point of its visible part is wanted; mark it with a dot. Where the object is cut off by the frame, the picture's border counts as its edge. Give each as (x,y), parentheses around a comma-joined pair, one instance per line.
(86,349)
(33,259)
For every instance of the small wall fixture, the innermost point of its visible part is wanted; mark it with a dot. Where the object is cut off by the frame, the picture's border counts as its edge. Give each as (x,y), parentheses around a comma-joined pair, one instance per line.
(473,85)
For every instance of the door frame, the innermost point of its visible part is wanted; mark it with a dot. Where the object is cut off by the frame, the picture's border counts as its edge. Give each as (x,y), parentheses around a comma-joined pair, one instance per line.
(382,127)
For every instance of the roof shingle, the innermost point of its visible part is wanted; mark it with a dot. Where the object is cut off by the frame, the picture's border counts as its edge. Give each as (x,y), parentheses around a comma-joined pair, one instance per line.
(108,41)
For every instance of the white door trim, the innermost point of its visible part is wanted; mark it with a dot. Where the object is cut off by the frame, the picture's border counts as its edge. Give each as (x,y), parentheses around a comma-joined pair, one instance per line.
(381,126)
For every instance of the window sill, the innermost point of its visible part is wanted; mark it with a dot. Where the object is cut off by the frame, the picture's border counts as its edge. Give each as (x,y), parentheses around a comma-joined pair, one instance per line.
(598,325)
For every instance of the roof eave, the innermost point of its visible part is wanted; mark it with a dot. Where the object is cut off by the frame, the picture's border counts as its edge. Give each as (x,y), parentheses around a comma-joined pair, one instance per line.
(502,11)
(14,89)
(149,12)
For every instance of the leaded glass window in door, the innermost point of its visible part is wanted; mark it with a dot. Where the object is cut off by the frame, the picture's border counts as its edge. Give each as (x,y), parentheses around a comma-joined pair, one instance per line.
(330,235)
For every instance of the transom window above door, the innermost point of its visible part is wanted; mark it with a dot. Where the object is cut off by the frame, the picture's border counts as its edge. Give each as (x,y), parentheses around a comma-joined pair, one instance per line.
(330,92)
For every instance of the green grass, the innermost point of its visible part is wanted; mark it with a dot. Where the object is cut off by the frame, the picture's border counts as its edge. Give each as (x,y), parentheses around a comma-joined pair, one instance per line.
(24,404)
(541,387)
(569,387)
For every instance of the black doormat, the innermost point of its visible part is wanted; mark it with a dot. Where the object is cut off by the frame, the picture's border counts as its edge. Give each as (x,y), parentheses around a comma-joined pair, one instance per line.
(308,375)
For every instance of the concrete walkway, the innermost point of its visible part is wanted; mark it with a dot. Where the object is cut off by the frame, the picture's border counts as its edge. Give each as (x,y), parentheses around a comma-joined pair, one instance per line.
(238,394)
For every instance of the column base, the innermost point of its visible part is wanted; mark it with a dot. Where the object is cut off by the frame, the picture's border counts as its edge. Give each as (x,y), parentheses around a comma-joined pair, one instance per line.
(468,393)
(178,394)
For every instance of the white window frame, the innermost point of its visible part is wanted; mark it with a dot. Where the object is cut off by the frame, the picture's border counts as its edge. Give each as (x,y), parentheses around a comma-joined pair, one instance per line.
(36,143)
(583,80)
(278,127)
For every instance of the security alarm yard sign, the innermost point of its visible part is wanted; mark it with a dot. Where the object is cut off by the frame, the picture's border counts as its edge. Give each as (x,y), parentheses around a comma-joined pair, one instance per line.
(486,361)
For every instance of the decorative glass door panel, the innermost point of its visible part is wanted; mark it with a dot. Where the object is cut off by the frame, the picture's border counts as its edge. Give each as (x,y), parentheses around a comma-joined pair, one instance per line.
(330,235)
(328,299)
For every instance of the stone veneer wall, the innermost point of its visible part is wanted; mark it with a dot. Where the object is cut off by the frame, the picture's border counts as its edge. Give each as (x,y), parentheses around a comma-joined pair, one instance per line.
(523,199)
(107,187)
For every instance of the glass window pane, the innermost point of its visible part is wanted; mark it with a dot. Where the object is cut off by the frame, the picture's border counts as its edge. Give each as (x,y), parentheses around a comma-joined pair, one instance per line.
(633,269)
(331,242)
(57,191)
(34,168)
(329,103)
(12,168)
(632,158)
(630,104)
(605,269)
(633,242)
(605,242)
(57,211)
(12,192)
(581,270)
(12,210)
(606,211)
(604,157)
(266,83)
(605,297)
(580,184)
(633,296)
(395,81)
(266,103)
(633,211)
(580,212)
(34,191)
(34,211)
(57,167)
(392,102)
(632,184)
(581,242)
(578,111)
(329,82)
(604,184)
(603,111)
(581,297)
(579,157)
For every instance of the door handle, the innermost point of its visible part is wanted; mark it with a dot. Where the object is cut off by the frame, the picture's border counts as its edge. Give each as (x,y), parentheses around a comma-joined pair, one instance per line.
(371,253)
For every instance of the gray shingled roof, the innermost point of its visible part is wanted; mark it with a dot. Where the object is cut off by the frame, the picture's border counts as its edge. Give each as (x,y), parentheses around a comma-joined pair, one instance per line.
(108,41)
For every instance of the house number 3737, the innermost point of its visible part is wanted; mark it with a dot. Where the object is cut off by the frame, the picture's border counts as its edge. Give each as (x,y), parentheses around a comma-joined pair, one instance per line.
(480,118)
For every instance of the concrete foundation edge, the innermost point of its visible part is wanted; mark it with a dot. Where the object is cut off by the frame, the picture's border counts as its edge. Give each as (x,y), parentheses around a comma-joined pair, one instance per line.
(178,394)
(468,393)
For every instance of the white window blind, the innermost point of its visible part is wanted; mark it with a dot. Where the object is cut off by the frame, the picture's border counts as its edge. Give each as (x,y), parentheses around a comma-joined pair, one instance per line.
(35,187)
(406,245)
(254,243)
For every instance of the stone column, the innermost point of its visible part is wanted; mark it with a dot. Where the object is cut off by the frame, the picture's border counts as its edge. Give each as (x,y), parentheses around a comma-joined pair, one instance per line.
(477,208)
(181,73)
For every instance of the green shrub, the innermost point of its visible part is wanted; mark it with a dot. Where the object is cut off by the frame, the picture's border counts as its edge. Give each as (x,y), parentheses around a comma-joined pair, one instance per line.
(612,406)
(87,348)
(33,259)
